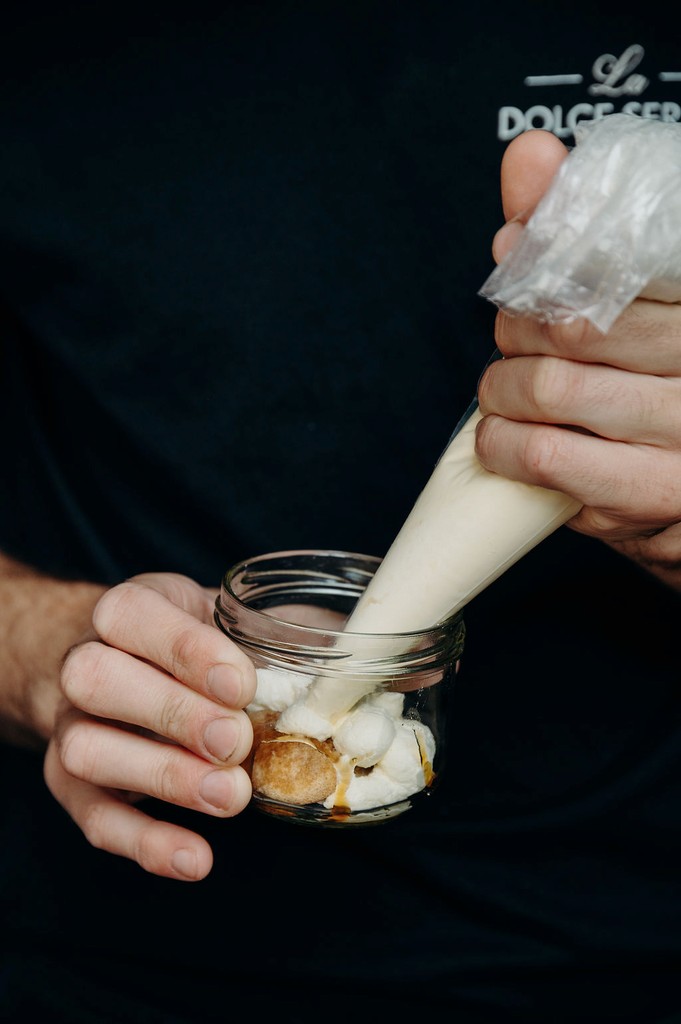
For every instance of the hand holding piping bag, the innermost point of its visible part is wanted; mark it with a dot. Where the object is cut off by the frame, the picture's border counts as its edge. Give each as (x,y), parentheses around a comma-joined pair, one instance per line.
(621,390)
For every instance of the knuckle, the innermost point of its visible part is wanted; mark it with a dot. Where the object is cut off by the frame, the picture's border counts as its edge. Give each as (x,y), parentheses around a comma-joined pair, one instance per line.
(145,848)
(186,651)
(649,406)
(486,434)
(174,714)
(544,452)
(505,327)
(556,385)
(114,606)
(167,782)
(570,337)
(93,825)
(77,748)
(81,672)
(600,523)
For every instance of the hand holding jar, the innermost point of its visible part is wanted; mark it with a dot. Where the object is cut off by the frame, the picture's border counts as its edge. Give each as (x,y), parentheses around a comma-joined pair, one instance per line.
(153,701)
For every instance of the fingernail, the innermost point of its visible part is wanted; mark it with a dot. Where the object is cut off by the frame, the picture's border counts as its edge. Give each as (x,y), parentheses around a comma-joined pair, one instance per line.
(215,788)
(224,683)
(185,863)
(221,737)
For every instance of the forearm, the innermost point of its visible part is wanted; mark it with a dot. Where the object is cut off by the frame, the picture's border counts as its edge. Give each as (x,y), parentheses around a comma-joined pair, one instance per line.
(40,619)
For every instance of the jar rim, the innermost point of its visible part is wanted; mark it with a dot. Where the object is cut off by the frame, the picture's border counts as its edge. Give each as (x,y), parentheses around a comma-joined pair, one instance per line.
(244,564)
(278,574)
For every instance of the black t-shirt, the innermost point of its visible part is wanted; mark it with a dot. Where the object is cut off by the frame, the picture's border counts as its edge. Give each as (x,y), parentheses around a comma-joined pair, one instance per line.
(241,246)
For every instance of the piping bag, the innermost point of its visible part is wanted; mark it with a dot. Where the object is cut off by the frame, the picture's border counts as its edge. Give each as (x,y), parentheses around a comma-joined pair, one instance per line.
(607,230)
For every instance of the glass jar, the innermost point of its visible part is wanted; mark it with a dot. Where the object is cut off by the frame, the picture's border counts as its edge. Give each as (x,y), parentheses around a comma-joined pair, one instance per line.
(349,728)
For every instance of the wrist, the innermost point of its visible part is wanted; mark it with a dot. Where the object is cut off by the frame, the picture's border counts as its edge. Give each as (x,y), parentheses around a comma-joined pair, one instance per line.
(43,618)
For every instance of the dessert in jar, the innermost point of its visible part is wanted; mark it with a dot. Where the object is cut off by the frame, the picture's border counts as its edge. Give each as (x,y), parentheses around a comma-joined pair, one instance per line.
(348,727)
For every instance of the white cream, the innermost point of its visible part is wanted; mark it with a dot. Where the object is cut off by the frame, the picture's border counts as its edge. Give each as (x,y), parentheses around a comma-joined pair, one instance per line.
(468,526)
(365,736)
(397,775)
(278,690)
(304,721)
(414,744)
(394,752)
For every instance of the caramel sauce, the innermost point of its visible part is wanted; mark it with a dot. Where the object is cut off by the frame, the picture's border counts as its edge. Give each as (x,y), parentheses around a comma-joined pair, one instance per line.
(345,768)
(428,773)
(340,810)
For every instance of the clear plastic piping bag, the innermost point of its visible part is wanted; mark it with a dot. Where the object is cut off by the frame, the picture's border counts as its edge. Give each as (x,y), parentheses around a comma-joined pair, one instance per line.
(607,230)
